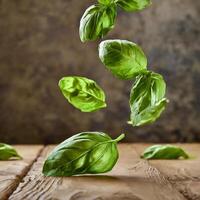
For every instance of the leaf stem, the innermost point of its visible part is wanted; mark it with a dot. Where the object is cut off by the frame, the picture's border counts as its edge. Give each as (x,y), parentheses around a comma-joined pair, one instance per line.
(119,137)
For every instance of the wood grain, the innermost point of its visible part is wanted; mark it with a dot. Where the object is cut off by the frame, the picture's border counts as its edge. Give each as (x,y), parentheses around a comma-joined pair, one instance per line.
(11,172)
(131,179)
(183,174)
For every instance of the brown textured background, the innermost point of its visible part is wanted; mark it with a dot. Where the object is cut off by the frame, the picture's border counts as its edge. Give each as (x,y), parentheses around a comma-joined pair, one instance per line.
(39,44)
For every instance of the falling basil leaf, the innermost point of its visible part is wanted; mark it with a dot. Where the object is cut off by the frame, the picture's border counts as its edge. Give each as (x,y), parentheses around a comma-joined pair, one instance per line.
(164,152)
(147,99)
(82,93)
(133,5)
(84,153)
(105,2)
(97,21)
(7,152)
(123,58)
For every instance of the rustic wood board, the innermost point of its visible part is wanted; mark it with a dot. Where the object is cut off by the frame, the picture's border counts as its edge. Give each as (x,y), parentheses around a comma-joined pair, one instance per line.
(11,172)
(184,175)
(131,179)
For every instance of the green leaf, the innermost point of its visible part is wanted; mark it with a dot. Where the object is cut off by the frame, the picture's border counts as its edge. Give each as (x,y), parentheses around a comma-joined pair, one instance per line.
(84,153)
(124,59)
(164,152)
(106,2)
(82,93)
(147,99)
(133,5)
(97,21)
(7,152)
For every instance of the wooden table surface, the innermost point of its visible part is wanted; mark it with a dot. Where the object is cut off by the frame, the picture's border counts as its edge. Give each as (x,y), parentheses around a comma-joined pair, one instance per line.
(131,179)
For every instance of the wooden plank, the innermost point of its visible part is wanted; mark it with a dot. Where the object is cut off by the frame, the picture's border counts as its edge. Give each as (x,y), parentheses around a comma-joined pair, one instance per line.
(12,171)
(132,178)
(183,174)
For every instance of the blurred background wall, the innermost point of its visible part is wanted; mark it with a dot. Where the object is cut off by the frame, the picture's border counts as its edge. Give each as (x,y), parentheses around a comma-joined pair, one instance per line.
(39,44)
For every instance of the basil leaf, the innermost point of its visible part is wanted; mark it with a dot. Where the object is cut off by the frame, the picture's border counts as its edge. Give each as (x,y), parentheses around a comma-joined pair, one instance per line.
(106,2)
(84,153)
(164,152)
(97,21)
(147,100)
(133,5)
(124,59)
(7,152)
(82,93)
